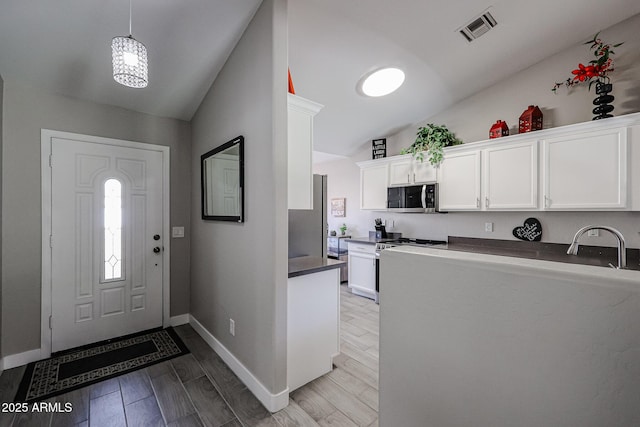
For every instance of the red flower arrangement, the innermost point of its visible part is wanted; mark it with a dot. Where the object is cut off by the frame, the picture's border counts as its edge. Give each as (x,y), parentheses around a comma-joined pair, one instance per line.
(598,69)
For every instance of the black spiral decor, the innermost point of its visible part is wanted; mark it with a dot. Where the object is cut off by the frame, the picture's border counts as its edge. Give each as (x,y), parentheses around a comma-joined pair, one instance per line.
(603,101)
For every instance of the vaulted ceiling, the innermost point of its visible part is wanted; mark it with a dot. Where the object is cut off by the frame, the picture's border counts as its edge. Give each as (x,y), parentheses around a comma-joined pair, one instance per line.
(64,46)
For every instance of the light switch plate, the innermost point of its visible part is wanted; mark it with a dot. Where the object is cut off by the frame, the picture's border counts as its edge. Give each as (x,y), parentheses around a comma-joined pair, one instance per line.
(177,232)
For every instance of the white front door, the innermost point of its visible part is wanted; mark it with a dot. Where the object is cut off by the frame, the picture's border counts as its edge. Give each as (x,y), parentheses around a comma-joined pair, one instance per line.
(106,223)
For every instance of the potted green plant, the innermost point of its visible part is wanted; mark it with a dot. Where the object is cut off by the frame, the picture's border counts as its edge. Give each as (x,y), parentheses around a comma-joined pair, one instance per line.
(343,229)
(432,139)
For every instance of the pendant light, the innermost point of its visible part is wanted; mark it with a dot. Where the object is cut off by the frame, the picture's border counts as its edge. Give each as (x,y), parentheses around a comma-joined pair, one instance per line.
(129,60)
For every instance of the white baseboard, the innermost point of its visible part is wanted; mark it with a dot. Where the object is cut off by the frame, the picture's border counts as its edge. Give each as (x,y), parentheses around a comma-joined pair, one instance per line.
(273,402)
(19,359)
(181,319)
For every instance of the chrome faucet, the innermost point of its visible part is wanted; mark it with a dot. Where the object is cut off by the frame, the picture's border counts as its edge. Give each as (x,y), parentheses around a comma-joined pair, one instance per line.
(622,252)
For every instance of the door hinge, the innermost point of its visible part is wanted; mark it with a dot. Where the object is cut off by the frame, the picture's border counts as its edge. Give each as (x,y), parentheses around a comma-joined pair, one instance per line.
(50,321)
(51,240)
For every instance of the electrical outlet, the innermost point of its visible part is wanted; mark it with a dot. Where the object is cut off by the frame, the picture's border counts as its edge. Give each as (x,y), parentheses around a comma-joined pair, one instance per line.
(593,233)
(232,327)
(488,227)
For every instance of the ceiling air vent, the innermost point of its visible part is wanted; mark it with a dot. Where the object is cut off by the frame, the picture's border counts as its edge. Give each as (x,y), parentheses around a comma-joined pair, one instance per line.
(478,26)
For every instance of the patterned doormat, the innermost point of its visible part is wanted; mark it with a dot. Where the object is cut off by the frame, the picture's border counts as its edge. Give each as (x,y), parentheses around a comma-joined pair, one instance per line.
(78,367)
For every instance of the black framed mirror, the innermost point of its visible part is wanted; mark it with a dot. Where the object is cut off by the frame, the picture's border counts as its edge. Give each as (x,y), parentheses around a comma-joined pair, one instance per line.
(222,172)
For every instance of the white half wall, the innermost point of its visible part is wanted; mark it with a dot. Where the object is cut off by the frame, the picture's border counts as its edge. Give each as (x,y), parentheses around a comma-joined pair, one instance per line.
(483,340)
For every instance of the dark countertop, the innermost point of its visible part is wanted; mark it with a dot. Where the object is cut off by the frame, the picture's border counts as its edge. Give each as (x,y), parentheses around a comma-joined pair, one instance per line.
(303,265)
(587,255)
(370,240)
(367,240)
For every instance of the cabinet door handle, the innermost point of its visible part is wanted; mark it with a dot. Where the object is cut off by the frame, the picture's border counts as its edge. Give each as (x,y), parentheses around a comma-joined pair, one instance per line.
(414,177)
(486,202)
(408,178)
(477,202)
(546,201)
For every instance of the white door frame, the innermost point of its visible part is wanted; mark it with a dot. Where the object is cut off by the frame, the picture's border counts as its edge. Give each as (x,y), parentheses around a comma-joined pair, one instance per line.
(46,136)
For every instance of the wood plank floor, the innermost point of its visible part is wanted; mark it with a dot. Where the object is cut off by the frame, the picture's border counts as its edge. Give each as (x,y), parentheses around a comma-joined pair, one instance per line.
(199,389)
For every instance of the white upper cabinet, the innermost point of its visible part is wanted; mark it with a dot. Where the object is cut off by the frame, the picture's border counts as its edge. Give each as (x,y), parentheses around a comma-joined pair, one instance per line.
(300,148)
(374,180)
(586,171)
(582,167)
(510,176)
(459,181)
(424,172)
(400,172)
(408,171)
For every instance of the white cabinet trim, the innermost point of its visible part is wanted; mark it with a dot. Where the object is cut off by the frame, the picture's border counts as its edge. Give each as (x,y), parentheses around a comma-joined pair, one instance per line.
(574,129)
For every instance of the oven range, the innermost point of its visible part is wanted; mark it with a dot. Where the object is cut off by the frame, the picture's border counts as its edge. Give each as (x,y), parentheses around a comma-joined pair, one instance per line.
(401,241)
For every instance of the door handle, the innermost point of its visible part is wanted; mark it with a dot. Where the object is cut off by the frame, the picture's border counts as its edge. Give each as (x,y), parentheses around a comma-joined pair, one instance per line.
(156,250)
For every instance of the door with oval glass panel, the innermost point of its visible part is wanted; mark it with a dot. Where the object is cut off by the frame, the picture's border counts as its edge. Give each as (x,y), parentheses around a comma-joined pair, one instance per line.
(106,222)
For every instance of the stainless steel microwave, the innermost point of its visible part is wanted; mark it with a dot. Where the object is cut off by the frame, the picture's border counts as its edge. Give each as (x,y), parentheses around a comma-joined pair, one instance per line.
(413,198)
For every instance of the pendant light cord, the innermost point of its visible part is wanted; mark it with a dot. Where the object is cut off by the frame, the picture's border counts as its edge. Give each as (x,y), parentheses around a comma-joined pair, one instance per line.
(130,18)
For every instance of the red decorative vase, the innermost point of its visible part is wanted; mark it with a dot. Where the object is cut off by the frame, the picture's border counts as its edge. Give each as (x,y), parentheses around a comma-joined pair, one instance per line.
(291,89)
(530,120)
(499,129)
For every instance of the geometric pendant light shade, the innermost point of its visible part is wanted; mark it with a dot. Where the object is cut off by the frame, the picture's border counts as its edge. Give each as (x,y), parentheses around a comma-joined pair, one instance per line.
(130,61)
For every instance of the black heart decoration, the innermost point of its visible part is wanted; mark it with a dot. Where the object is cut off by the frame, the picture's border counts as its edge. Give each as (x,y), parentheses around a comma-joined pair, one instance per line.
(531,231)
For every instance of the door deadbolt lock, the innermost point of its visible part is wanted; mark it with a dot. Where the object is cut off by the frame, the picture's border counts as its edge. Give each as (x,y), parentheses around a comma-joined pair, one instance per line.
(156,237)
(156,250)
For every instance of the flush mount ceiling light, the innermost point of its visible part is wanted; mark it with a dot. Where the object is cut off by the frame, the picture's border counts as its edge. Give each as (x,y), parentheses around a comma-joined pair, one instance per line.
(129,60)
(382,82)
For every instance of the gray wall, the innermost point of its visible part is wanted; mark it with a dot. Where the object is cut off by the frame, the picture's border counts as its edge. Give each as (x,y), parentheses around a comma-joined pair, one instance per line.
(1,121)
(26,111)
(239,271)
(471,119)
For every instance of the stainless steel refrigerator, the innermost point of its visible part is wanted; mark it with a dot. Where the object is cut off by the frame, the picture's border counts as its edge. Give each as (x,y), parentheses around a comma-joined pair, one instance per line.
(308,227)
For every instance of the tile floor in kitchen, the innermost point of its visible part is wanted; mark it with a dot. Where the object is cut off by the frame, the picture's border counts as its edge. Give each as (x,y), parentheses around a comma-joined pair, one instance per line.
(198,389)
